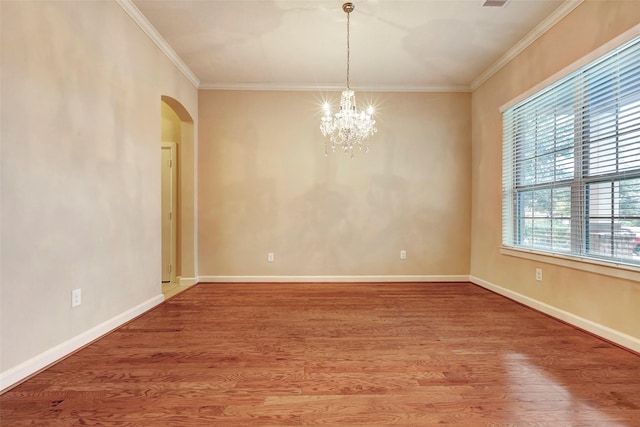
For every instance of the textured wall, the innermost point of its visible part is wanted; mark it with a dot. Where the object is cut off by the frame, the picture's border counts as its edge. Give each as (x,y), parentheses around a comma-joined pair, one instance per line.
(81,121)
(171,129)
(265,185)
(603,299)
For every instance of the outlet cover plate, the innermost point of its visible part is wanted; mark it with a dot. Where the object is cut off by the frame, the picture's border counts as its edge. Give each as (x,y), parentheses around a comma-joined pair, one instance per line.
(76,297)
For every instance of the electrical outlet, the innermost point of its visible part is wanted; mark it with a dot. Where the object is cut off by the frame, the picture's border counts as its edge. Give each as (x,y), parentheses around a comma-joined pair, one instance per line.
(403,254)
(271,257)
(539,274)
(76,297)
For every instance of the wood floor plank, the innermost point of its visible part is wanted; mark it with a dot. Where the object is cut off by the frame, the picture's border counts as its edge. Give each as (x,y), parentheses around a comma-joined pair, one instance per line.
(411,354)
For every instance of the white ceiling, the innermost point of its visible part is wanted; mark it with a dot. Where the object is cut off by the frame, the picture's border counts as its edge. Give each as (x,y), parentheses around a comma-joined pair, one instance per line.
(301,44)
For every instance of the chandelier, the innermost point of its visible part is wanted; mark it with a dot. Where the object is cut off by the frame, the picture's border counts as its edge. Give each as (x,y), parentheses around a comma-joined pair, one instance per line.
(348,129)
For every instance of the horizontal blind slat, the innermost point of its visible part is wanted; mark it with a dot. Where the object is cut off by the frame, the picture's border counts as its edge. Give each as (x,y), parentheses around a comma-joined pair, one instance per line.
(571,162)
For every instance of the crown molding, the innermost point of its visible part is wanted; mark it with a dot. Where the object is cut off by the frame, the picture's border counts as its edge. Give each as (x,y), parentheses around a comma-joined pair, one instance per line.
(330,88)
(135,14)
(566,8)
(132,10)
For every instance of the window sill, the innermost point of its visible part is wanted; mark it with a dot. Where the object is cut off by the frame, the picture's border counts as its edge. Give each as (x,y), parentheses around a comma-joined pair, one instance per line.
(619,270)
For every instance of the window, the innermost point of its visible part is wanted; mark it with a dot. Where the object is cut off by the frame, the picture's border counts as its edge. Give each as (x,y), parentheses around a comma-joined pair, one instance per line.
(571,163)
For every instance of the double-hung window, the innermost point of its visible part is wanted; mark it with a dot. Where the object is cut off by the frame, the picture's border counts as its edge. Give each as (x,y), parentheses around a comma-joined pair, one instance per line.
(571,163)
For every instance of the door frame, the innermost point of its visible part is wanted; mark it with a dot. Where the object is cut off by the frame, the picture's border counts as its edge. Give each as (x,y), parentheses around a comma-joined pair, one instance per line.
(173,214)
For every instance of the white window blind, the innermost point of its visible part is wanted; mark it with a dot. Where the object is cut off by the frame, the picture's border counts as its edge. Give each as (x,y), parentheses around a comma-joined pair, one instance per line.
(571,163)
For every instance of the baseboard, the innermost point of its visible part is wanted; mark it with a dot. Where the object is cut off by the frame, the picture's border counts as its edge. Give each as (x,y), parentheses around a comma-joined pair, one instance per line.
(24,370)
(187,281)
(609,334)
(332,279)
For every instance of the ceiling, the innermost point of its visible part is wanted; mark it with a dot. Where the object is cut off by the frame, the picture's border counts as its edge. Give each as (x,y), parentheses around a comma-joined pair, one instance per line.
(415,45)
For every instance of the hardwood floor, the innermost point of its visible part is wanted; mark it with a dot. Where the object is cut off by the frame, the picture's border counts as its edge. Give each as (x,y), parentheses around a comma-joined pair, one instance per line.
(169,290)
(336,354)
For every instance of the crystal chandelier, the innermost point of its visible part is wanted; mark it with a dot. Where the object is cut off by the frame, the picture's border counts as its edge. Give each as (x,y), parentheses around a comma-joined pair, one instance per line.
(348,129)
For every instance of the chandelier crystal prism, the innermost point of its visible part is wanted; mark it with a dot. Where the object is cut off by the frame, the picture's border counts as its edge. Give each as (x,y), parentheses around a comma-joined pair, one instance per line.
(349,129)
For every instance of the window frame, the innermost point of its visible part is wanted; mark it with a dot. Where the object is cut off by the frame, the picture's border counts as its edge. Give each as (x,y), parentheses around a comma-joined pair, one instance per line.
(577,256)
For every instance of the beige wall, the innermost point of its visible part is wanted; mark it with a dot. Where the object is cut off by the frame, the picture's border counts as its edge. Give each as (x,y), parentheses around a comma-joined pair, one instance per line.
(171,130)
(81,127)
(602,299)
(265,185)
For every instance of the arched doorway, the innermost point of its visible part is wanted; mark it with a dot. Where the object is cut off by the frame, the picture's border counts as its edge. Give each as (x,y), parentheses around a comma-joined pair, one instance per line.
(178,260)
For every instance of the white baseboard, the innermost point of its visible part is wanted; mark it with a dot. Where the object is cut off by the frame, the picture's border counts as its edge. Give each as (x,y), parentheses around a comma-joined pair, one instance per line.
(602,331)
(332,279)
(25,369)
(187,281)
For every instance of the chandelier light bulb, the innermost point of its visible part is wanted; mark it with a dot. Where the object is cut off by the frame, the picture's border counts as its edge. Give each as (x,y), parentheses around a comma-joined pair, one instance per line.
(348,129)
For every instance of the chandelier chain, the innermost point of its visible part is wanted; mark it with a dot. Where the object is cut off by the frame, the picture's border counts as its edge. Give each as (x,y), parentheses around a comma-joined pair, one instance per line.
(348,50)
